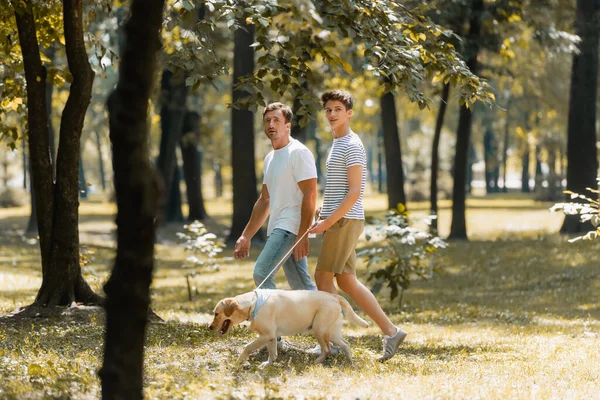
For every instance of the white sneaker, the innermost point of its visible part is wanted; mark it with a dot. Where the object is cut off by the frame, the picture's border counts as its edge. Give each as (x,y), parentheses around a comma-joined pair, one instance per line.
(335,350)
(391,344)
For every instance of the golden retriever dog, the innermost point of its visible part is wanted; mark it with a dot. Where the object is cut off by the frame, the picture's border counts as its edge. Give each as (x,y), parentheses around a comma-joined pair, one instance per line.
(274,313)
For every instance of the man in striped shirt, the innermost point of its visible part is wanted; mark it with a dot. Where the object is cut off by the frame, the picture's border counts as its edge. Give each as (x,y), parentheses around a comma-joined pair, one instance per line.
(342,218)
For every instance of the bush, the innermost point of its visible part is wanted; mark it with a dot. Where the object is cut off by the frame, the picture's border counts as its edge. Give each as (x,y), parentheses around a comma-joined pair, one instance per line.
(401,253)
(588,209)
(205,248)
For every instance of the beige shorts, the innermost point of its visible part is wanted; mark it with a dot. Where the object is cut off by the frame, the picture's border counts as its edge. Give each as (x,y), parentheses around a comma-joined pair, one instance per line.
(338,253)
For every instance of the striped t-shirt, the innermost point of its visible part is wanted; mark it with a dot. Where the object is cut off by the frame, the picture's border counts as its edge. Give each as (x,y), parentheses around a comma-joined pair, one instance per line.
(345,152)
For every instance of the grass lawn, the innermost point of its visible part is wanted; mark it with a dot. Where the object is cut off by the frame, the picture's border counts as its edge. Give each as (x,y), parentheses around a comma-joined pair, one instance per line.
(513,313)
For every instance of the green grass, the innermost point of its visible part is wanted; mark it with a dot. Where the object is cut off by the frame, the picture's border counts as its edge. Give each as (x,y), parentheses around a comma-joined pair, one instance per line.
(513,313)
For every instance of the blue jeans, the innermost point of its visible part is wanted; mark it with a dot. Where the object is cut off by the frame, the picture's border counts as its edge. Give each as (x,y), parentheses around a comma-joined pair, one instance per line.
(278,244)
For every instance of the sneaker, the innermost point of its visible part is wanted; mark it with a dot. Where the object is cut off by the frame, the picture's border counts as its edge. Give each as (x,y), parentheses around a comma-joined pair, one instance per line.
(391,344)
(335,350)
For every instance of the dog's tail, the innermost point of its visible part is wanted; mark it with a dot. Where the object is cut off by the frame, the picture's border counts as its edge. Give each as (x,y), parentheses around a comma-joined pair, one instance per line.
(350,314)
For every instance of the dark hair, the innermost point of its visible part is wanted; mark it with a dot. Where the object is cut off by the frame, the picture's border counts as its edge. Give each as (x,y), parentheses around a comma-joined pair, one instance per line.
(339,95)
(287,112)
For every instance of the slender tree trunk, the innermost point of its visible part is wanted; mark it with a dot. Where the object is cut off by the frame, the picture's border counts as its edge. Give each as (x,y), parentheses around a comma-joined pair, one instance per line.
(380,162)
(37,121)
(25,167)
(458,229)
(525,170)
(582,168)
(172,112)
(83,186)
(191,154)
(100,160)
(50,52)
(242,137)
(393,152)
(174,213)
(506,144)
(435,158)
(138,200)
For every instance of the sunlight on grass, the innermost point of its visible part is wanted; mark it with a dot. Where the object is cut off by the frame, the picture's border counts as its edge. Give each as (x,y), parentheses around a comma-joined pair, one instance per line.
(513,313)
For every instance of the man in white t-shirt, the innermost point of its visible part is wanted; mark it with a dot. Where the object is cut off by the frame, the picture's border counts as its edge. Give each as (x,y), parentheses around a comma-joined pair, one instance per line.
(289,195)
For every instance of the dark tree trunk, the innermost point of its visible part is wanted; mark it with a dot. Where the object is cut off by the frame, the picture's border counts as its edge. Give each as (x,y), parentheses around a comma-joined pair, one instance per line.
(242,137)
(191,154)
(32,226)
(25,166)
(37,120)
(218,180)
(539,175)
(100,160)
(380,162)
(318,155)
(172,112)
(490,154)
(506,144)
(582,167)
(174,213)
(435,157)
(62,282)
(138,200)
(299,132)
(458,228)
(525,170)
(393,152)
(83,186)
(50,53)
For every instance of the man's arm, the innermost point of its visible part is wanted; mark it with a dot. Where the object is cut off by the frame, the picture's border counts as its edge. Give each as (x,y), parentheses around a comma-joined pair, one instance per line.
(259,215)
(309,190)
(354,183)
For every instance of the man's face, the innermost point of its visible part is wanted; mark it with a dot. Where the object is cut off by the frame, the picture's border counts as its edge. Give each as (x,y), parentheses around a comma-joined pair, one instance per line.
(275,125)
(336,114)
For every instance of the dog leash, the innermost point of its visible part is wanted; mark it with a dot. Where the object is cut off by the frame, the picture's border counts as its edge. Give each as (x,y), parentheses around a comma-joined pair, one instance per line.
(285,257)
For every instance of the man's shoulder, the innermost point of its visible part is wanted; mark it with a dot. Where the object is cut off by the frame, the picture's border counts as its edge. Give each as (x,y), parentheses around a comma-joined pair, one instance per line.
(298,148)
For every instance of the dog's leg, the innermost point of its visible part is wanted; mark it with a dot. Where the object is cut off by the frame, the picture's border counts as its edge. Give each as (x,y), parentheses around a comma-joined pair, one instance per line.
(337,339)
(325,348)
(255,345)
(272,347)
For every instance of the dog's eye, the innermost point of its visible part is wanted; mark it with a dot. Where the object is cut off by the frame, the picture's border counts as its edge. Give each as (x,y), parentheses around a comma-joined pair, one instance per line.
(216,314)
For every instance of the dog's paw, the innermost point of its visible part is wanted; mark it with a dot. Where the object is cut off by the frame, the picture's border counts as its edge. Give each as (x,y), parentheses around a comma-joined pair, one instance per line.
(265,364)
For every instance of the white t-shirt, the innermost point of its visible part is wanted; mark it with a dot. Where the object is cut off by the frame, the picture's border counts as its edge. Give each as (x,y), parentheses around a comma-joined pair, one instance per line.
(283,169)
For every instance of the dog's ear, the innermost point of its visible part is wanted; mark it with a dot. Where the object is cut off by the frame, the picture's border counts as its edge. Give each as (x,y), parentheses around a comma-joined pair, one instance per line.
(230,305)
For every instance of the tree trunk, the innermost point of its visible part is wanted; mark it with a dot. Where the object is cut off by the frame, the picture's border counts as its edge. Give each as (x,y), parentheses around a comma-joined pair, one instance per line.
(83,186)
(506,144)
(32,226)
(525,170)
(242,137)
(62,282)
(435,158)
(582,168)
(50,53)
(100,160)
(138,200)
(24,154)
(539,175)
(393,152)
(172,112)
(380,163)
(191,154)
(174,213)
(37,120)
(458,229)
